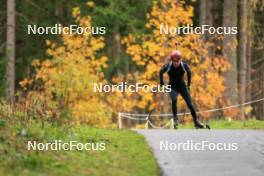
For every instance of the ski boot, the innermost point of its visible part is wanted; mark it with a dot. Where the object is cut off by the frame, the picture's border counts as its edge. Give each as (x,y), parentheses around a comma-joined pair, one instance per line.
(199,125)
(175,124)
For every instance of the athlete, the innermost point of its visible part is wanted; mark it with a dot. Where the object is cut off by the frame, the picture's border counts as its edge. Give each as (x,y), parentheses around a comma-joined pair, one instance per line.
(176,70)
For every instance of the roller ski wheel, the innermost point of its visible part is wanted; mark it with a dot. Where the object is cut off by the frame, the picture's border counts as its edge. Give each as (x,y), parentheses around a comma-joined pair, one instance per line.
(207,127)
(199,125)
(175,125)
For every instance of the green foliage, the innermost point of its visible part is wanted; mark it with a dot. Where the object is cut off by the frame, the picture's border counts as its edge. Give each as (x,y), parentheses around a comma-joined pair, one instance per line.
(129,15)
(225,124)
(125,16)
(3,62)
(2,122)
(5,110)
(126,152)
(247,124)
(46,13)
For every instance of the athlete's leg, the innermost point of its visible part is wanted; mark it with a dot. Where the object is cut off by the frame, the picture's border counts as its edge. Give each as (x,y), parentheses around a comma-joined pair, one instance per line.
(174,96)
(187,98)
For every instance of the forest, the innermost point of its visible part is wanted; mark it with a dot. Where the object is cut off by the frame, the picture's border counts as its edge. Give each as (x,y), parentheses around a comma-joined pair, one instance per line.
(89,72)
(49,77)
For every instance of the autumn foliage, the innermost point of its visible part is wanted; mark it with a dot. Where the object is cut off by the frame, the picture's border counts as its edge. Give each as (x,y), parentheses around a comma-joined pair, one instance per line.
(62,87)
(65,82)
(150,52)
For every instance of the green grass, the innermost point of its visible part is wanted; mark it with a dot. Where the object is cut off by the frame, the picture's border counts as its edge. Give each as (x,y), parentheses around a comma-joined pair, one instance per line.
(224,124)
(127,153)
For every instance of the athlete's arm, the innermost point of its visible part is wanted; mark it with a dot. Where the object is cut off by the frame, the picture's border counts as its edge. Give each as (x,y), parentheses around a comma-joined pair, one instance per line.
(189,74)
(162,71)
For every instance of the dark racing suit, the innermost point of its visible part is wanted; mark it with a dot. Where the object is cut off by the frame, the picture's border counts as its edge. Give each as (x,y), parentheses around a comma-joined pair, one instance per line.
(176,80)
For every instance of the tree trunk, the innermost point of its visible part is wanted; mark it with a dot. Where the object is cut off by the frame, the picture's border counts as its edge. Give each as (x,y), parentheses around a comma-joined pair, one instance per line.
(209,13)
(229,51)
(210,22)
(249,58)
(242,54)
(117,48)
(248,76)
(202,14)
(10,51)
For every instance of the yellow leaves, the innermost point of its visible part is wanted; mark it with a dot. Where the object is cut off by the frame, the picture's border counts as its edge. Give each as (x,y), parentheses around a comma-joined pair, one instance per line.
(67,79)
(90,3)
(137,58)
(152,51)
(129,39)
(248,109)
(96,44)
(148,25)
(85,22)
(47,42)
(76,12)
(151,69)
(47,63)
(104,60)
(35,63)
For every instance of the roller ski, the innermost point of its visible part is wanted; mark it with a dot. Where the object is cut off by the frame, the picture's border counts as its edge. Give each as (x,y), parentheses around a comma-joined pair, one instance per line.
(199,125)
(175,124)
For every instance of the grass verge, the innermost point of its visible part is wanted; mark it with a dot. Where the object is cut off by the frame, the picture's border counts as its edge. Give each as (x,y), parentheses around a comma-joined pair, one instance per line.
(126,153)
(224,124)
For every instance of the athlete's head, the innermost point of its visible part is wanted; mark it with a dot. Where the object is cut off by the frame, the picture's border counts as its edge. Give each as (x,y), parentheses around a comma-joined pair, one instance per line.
(175,56)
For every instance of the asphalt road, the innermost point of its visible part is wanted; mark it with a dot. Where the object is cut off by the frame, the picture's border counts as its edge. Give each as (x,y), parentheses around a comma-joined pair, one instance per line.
(240,152)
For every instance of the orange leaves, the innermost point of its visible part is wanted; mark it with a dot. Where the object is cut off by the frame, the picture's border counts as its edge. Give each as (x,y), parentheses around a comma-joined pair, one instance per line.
(67,78)
(137,58)
(24,83)
(134,49)
(151,51)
